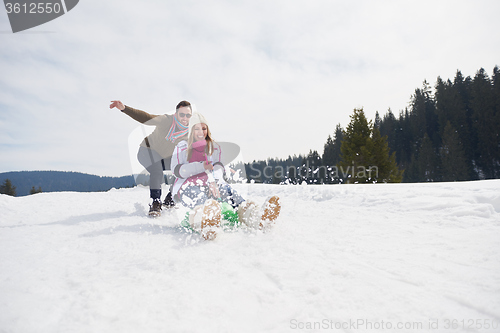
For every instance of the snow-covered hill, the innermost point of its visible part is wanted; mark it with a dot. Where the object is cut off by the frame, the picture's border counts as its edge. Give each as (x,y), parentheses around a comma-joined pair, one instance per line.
(403,257)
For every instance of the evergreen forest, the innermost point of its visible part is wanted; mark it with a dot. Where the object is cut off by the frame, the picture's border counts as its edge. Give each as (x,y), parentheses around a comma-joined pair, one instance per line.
(449,132)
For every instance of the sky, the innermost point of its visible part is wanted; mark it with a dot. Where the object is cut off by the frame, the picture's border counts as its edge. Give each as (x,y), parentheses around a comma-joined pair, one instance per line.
(274,77)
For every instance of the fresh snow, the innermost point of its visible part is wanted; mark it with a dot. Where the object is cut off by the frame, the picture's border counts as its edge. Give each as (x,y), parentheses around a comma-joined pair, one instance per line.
(390,257)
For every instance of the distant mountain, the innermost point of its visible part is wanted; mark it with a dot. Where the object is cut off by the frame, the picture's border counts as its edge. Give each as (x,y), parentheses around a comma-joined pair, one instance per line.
(57,181)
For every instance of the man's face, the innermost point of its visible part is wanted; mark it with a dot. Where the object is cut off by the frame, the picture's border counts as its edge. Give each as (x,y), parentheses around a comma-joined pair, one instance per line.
(183,114)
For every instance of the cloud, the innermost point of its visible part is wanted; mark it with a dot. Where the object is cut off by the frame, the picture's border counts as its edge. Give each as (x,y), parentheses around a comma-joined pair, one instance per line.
(275,77)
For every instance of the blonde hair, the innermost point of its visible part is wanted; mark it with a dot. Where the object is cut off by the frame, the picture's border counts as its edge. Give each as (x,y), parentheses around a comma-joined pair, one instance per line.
(209,149)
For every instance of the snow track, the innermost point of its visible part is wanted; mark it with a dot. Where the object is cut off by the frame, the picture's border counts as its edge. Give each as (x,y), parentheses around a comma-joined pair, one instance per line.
(339,255)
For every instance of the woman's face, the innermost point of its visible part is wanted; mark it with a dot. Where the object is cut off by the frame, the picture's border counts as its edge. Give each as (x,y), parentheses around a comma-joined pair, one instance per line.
(200,132)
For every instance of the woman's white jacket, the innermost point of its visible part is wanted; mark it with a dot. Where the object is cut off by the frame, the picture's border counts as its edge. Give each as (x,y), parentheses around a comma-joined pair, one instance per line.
(182,169)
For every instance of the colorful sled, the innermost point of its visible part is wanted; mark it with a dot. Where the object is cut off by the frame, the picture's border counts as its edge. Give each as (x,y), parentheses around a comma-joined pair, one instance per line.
(230,221)
(229,218)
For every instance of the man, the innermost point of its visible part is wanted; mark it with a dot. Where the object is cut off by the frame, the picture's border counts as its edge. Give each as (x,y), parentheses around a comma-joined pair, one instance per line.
(155,151)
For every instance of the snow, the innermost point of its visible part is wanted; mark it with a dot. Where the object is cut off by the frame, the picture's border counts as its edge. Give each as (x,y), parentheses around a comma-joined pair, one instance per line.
(390,257)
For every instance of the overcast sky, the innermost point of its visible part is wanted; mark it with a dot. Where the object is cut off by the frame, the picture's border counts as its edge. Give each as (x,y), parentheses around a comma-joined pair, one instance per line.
(275,77)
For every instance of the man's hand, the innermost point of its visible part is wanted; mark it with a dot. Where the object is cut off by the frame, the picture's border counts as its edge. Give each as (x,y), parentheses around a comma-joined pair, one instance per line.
(117,104)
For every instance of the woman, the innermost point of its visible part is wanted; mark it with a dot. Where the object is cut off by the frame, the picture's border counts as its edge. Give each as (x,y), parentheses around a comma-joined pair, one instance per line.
(199,172)
(200,183)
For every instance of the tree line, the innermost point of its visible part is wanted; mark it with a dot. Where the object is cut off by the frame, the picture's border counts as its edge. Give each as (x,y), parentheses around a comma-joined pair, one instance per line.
(362,156)
(31,182)
(449,133)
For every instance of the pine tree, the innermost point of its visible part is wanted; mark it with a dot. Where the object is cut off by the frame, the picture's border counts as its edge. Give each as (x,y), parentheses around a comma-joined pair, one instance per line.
(463,87)
(423,115)
(385,163)
(313,166)
(378,121)
(496,94)
(365,153)
(328,155)
(451,109)
(8,188)
(354,153)
(388,128)
(412,173)
(484,125)
(453,161)
(292,165)
(427,162)
(39,190)
(331,152)
(405,140)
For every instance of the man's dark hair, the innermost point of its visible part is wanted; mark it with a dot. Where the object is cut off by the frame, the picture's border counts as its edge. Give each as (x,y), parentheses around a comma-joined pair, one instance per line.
(183,104)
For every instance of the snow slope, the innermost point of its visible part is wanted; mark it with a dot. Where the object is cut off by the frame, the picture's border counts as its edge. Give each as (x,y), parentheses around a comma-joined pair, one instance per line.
(398,257)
